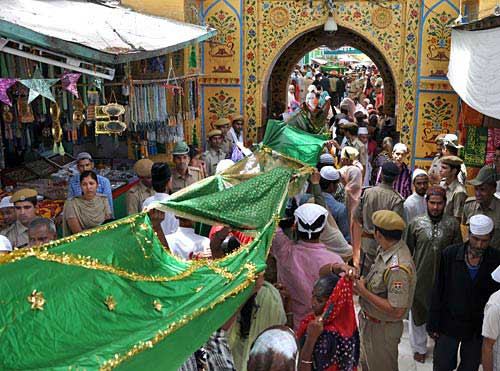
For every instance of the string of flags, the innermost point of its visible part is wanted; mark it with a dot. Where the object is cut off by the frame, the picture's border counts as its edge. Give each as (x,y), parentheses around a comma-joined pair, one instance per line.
(39,86)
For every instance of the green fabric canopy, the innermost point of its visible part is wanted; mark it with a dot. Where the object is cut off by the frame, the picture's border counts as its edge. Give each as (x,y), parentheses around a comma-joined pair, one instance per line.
(112,297)
(293,142)
(165,308)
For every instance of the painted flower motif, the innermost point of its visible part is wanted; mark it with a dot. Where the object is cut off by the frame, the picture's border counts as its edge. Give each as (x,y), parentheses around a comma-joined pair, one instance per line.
(342,8)
(222,97)
(408,83)
(252,78)
(414,13)
(221,16)
(252,33)
(438,103)
(396,6)
(409,106)
(443,18)
(273,44)
(410,37)
(250,56)
(357,14)
(387,46)
(266,5)
(442,43)
(250,100)
(250,10)
(411,60)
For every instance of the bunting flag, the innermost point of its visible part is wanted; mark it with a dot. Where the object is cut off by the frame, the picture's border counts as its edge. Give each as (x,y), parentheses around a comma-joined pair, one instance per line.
(39,87)
(5,84)
(68,82)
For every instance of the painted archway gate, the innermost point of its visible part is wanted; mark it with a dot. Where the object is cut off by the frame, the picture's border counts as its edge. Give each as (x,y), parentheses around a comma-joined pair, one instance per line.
(412,36)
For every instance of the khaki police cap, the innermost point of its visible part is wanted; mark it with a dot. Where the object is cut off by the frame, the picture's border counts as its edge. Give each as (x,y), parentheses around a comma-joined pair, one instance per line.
(143,167)
(181,148)
(23,195)
(222,122)
(388,220)
(486,175)
(214,133)
(452,160)
(238,118)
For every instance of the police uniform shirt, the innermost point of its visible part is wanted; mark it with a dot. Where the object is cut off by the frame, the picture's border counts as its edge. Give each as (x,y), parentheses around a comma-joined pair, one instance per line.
(455,199)
(392,277)
(136,196)
(212,158)
(179,182)
(17,234)
(472,207)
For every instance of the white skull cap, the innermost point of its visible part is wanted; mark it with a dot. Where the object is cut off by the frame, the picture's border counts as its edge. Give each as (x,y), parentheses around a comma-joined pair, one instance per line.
(480,225)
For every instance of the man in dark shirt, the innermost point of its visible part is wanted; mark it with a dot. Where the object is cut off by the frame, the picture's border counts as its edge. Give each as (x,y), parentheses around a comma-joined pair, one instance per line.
(461,290)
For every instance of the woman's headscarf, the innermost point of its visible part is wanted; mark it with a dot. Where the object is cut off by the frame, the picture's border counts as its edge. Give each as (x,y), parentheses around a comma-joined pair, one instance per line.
(337,348)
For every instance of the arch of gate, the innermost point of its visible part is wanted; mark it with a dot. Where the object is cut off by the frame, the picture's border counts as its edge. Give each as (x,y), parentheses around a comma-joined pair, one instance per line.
(278,74)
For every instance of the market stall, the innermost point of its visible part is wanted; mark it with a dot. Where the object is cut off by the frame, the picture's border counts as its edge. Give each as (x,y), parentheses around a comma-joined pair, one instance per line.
(79,76)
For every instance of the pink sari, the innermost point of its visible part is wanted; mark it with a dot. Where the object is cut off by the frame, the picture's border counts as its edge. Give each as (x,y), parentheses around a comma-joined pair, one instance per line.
(352,178)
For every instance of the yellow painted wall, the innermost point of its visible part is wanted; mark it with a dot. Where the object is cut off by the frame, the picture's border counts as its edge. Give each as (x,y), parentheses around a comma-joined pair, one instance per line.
(164,8)
(486,7)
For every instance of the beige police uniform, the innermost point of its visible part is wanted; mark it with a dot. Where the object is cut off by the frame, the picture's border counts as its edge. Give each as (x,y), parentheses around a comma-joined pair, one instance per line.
(380,197)
(180,181)
(212,158)
(456,195)
(472,207)
(136,196)
(17,234)
(392,277)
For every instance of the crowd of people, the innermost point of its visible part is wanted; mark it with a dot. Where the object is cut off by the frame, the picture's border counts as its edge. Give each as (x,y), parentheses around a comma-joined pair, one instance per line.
(409,244)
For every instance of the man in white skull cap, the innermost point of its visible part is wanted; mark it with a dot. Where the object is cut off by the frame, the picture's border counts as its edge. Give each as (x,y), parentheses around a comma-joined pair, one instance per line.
(298,262)
(5,245)
(416,205)
(490,355)
(463,286)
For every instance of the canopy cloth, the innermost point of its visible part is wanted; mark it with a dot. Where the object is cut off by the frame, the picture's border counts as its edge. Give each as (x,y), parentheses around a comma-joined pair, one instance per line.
(112,297)
(474,71)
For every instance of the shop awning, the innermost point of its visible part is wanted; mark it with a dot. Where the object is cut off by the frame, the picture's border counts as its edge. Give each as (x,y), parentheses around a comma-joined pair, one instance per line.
(319,61)
(95,32)
(474,71)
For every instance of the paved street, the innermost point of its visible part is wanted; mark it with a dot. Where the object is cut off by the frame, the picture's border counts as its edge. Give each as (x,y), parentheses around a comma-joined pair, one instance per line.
(406,362)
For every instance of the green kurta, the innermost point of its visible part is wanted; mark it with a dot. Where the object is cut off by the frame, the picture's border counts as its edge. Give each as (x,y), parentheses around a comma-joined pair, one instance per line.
(426,240)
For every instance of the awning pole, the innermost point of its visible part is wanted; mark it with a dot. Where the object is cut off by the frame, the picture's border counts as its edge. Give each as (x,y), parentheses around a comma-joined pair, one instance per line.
(53,62)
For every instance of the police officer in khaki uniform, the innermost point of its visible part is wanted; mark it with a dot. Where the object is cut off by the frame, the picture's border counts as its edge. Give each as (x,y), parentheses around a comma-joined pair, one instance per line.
(386,295)
(214,154)
(380,197)
(25,202)
(484,202)
(183,174)
(142,190)
(456,193)
(224,125)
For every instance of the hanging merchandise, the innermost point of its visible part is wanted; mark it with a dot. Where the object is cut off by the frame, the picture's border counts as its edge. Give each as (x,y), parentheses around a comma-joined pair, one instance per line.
(57,131)
(68,82)
(6,84)
(39,86)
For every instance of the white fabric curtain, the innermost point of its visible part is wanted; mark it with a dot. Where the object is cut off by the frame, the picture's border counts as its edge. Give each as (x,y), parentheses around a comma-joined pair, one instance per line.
(474,70)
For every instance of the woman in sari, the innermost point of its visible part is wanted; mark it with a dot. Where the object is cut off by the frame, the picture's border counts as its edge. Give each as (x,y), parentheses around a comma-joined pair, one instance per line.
(352,177)
(329,336)
(86,211)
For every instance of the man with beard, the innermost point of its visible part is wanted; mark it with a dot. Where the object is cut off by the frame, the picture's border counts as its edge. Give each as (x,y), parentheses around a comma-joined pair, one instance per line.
(416,205)
(142,190)
(426,237)
(183,174)
(484,201)
(462,287)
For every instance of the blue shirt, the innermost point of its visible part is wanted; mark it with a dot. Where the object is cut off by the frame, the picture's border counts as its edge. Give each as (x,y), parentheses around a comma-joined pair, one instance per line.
(339,213)
(103,187)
